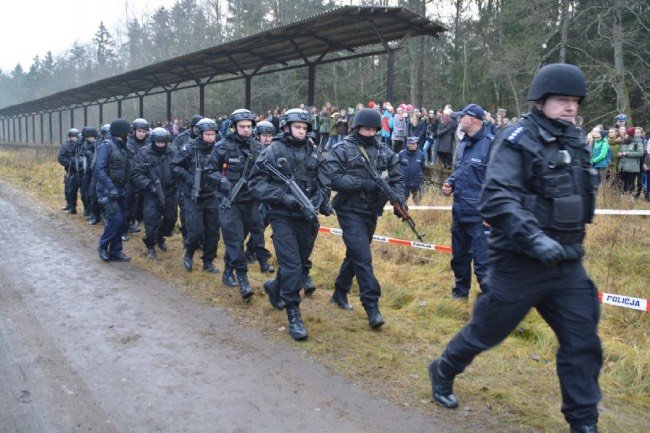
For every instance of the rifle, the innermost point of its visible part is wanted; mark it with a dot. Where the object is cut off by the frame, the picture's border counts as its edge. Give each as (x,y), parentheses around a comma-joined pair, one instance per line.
(234,192)
(158,185)
(196,187)
(306,205)
(398,205)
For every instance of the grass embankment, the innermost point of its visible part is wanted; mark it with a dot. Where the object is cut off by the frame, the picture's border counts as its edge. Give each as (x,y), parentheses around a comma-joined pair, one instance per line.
(511,388)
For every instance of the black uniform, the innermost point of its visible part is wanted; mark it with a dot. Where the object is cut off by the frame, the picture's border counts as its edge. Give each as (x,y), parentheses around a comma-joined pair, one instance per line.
(539,185)
(153,163)
(233,158)
(91,154)
(202,214)
(293,233)
(71,157)
(88,150)
(358,204)
(180,142)
(133,196)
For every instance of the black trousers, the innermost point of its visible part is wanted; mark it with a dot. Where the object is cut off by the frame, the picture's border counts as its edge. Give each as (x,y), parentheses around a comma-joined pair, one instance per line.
(236,222)
(95,207)
(114,224)
(256,244)
(86,179)
(159,221)
(357,235)
(72,184)
(566,299)
(293,239)
(202,225)
(134,203)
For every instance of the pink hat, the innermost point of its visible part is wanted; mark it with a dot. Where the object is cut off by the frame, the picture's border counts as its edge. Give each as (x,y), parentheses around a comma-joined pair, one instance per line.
(409,108)
(402,107)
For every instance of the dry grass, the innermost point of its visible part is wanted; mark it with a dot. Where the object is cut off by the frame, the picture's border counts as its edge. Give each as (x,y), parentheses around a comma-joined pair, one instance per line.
(510,388)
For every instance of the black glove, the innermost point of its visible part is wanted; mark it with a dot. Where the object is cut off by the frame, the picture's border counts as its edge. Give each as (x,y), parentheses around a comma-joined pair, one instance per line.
(326,208)
(368,186)
(546,250)
(152,187)
(573,251)
(113,194)
(290,202)
(225,185)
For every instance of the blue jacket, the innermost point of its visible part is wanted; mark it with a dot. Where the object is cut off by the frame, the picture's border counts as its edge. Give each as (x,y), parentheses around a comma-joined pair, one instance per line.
(469,175)
(412,166)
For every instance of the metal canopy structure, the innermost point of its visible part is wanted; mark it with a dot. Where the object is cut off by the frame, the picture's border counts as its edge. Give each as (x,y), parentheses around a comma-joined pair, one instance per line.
(340,34)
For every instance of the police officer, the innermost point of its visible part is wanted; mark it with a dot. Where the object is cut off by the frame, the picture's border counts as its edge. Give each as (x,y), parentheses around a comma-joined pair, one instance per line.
(413,163)
(199,196)
(96,209)
(358,204)
(469,232)
(137,141)
(113,173)
(538,195)
(104,132)
(89,136)
(66,158)
(232,161)
(153,176)
(294,225)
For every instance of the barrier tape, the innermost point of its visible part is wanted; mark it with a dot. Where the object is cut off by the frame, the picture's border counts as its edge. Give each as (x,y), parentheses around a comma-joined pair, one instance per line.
(639,304)
(644,212)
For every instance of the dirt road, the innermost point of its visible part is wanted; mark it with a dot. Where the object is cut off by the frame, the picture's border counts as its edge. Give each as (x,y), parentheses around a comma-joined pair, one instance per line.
(87,346)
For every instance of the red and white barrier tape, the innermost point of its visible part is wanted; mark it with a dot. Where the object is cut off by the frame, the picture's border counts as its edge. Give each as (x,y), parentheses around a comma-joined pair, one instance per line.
(605,298)
(644,212)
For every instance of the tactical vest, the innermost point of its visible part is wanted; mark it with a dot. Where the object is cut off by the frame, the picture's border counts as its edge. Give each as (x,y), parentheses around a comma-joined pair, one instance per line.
(235,159)
(301,163)
(119,166)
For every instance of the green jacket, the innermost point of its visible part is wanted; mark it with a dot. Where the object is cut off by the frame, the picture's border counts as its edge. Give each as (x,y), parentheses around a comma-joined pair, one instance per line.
(324,123)
(631,162)
(599,153)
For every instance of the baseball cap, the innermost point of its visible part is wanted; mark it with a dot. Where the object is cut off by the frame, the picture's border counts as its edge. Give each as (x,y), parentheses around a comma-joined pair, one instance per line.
(474,110)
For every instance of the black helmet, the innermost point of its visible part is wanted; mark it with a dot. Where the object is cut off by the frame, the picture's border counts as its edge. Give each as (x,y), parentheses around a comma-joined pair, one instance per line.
(106,128)
(195,119)
(367,117)
(265,127)
(206,124)
(89,131)
(160,134)
(120,128)
(558,79)
(140,124)
(73,132)
(241,114)
(296,115)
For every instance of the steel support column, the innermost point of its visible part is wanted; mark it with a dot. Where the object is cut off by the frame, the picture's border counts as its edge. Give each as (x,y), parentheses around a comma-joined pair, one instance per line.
(49,115)
(247,101)
(72,118)
(141,106)
(390,75)
(119,108)
(202,99)
(85,116)
(13,129)
(61,126)
(20,129)
(34,128)
(169,105)
(101,115)
(311,85)
(42,132)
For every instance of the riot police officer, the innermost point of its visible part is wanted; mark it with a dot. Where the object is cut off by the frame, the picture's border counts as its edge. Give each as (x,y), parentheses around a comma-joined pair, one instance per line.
(137,141)
(199,196)
(293,213)
(358,204)
(538,195)
(104,132)
(89,136)
(230,165)
(153,176)
(113,173)
(69,157)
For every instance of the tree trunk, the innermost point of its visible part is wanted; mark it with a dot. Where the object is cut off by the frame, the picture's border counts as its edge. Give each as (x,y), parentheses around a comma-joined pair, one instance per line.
(564,29)
(622,95)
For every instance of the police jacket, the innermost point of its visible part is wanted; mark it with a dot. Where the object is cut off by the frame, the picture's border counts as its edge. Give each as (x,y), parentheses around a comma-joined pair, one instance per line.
(412,166)
(296,159)
(186,162)
(113,167)
(631,161)
(539,178)
(345,166)
(234,157)
(445,134)
(469,174)
(153,163)
(134,145)
(71,156)
(181,140)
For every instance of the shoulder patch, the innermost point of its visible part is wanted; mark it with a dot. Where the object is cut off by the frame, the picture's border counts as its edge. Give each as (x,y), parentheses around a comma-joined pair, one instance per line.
(514,136)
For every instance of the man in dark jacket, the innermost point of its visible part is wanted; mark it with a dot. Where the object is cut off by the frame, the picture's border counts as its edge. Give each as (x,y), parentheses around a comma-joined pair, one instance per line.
(69,158)
(136,142)
(113,173)
(445,137)
(358,204)
(294,222)
(90,136)
(413,163)
(539,194)
(469,233)
(153,176)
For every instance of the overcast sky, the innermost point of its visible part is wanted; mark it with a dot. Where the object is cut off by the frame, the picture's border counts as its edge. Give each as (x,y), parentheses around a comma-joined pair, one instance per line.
(31,27)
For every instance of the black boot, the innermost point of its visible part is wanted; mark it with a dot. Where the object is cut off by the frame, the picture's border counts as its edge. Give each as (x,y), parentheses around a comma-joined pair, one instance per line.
(442,387)
(296,327)
(593,428)
(374,316)
(188,260)
(272,291)
(93,220)
(250,257)
(121,257)
(103,254)
(72,211)
(245,288)
(228,277)
(210,268)
(66,208)
(162,244)
(340,299)
(151,253)
(266,268)
(133,228)
(308,284)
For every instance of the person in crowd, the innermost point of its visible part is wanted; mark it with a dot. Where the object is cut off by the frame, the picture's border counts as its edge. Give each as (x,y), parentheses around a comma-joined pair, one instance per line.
(412,160)
(137,141)
(445,137)
(341,125)
(66,156)
(386,121)
(629,160)
(429,147)
(324,127)
(600,152)
(89,136)
(399,126)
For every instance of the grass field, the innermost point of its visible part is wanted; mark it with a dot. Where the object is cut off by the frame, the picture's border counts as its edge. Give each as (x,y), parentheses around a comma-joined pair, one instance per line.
(511,388)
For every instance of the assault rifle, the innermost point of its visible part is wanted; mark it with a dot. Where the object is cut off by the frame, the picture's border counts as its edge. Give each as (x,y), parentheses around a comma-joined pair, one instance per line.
(196,188)
(306,205)
(234,192)
(157,185)
(399,205)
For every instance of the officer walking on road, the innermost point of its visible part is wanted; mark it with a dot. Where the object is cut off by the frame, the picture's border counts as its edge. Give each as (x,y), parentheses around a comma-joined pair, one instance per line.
(469,233)
(539,193)
(68,154)
(358,204)
(293,213)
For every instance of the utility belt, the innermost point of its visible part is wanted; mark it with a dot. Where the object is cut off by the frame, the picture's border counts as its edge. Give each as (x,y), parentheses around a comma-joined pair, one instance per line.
(565,238)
